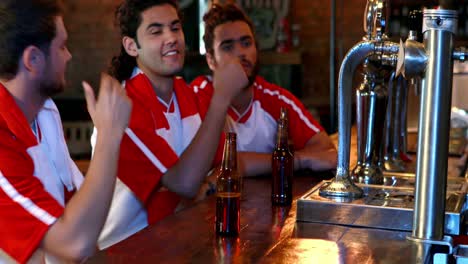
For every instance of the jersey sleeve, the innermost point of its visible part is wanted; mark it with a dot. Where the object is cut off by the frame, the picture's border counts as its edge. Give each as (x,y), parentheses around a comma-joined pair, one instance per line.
(203,88)
(27,210)
(302,126)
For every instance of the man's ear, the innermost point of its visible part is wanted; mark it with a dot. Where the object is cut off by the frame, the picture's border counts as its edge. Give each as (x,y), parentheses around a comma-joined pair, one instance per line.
(130,46)
(33,59)
(210,61)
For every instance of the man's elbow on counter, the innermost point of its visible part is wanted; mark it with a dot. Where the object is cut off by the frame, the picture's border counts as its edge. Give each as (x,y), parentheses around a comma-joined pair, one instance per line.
(79,252)
(186,189)
(189,193)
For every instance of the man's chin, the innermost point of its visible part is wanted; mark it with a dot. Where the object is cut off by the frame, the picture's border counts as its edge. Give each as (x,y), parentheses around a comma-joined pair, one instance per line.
(172,72)
(51,89)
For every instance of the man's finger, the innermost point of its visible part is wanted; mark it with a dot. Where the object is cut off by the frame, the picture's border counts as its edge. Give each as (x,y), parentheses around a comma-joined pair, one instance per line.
(90,98)
(106,84)
(229,61)
(116,86)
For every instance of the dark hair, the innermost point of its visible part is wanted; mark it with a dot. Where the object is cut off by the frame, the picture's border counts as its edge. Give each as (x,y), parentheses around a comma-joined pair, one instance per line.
(220,14)
(128,19)
(24,23)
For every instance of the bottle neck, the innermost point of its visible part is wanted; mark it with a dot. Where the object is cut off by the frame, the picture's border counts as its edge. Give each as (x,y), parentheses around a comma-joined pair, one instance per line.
(282,134)
(229,155)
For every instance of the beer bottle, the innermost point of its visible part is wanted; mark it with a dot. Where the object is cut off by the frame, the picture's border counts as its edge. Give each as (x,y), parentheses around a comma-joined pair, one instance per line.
(228,191)
(282,164)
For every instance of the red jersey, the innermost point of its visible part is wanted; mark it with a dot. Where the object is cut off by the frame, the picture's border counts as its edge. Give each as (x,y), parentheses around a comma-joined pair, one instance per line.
(35,174)
(256,127)
(158,134)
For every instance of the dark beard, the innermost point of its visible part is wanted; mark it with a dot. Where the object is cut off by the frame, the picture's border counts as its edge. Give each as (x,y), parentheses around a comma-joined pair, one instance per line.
(49,88)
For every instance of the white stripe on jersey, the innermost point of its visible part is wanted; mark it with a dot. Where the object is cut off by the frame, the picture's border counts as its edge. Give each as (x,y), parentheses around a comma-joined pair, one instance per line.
(293,106)
(145,150)
(203,84)
(25,202)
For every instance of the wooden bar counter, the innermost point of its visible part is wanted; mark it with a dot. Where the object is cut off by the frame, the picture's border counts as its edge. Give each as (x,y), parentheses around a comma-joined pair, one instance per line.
(189,237)
(268,235)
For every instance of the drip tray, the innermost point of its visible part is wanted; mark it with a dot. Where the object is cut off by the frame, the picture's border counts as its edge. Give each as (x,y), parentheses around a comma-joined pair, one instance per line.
(389,206)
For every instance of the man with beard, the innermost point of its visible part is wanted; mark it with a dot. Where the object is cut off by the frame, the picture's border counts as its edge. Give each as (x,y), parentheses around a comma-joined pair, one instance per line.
(163,158)
(39,219)
(254,112)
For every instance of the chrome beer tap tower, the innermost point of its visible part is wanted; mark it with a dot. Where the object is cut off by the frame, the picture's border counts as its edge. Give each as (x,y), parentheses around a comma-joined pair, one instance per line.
(437,55)
(371,100)
(377,53)
(429,205)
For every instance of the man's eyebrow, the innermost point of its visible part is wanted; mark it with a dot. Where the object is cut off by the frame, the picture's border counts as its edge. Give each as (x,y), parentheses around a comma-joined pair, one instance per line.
(242,38)
(156,24)
(246,37)
(226,41)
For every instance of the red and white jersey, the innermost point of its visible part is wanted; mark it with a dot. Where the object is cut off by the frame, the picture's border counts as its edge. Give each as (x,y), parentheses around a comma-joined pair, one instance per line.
(158,134)
(256,127)
(36,176)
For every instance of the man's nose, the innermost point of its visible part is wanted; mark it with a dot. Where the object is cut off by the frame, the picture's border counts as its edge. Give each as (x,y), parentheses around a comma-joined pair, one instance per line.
(171,37)
(239,50)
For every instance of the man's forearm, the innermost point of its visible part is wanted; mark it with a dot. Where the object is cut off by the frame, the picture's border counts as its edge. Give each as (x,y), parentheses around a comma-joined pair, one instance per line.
(324,159)
(75,233)
(319,153)
(254,163)
(186,176)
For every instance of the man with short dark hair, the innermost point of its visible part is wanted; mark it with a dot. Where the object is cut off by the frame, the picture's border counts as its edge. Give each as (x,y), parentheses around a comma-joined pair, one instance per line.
(253,114)
(172,138)
(37,222)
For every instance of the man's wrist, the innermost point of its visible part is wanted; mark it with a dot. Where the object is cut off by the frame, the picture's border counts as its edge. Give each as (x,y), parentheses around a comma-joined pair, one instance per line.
(112,133)
(220,102)
(109,139)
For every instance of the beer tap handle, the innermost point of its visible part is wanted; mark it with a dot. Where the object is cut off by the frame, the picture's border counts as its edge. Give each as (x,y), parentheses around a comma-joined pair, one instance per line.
(368,20)
(375,19)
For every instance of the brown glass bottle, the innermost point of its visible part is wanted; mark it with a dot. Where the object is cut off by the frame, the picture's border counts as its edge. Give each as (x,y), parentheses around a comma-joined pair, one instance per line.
(282,164)
(228,191)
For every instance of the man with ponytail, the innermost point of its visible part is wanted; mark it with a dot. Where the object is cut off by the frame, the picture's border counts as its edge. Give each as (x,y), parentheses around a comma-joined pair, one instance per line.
(172,139)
